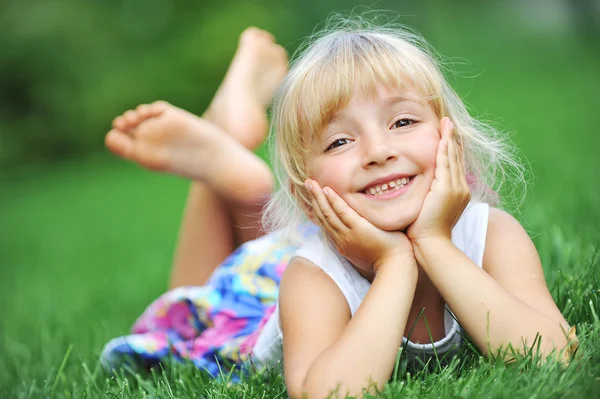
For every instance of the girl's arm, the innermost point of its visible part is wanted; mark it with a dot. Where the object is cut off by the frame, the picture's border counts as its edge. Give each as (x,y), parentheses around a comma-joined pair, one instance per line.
(325,350)
(505,303)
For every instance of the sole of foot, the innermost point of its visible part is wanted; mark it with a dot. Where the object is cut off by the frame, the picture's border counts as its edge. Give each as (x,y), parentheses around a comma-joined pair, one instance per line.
(164,138)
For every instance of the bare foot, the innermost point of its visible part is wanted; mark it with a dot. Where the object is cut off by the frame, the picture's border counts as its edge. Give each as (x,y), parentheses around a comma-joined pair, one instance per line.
(256,71)
(165,138)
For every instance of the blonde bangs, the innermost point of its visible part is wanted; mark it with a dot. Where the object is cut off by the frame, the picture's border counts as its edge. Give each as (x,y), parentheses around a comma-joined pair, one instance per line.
(357,62)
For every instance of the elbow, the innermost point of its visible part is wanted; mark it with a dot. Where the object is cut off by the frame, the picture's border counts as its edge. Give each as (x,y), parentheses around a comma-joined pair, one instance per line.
(312,388)
(543,348)
(294,392)
(295,386)
(316,392)
(303,391)
(568,351)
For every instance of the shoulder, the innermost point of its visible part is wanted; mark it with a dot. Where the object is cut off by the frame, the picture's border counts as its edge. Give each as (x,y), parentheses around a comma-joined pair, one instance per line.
(303,282)
(512,260)
(506,241)
(313,314)
(499,218)
(506,237)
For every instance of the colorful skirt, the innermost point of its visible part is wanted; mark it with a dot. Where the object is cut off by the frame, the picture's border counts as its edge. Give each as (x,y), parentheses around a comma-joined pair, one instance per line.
(214,326)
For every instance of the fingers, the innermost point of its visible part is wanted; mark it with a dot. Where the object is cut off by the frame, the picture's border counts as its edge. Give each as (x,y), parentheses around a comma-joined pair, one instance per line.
(342,216)
(347,215)
(453,157)
(442,170)
(327,217)
(462,167)
(457,172)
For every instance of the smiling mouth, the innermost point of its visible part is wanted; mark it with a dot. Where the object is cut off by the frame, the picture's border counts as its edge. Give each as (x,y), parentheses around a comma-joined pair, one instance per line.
(391,186)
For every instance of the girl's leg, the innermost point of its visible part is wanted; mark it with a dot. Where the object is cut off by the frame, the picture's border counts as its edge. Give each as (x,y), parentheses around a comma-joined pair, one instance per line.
(230,183)
(201,248)
(238,108)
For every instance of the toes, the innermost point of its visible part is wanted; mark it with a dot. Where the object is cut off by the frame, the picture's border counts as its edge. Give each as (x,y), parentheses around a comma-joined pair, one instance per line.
(281,52)
(249,33)
(119,123)
(255,33)
(144,110)
(119,143)
(266,35)
(158,107)
(131,118)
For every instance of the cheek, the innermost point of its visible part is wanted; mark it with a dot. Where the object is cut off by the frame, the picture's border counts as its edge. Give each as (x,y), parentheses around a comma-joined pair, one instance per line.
(329,174)
(428,154)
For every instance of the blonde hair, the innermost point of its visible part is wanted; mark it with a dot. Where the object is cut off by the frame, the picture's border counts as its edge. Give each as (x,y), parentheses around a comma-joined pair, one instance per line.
(355,55)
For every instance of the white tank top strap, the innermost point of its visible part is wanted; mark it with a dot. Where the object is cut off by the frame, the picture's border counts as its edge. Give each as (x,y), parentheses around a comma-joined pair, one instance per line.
(470,231)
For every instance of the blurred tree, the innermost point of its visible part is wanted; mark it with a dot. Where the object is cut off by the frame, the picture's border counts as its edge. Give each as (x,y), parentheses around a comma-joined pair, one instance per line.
(587,15)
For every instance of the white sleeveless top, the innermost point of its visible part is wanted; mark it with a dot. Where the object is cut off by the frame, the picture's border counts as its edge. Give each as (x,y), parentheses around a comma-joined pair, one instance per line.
(468,235)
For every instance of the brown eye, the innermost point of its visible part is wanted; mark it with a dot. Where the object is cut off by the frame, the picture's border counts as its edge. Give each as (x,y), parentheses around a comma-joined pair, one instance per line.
(403,122)
(337,143)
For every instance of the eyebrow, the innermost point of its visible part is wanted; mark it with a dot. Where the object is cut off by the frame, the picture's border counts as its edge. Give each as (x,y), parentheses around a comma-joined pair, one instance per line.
(386,102)
(397,100)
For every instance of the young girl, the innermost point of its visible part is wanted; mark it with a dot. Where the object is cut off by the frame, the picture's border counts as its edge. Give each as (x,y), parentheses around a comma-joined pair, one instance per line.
(376,149)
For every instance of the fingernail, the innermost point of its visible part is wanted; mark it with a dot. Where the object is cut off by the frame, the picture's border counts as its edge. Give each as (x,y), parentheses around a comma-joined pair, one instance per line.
(307,185)
(326,191)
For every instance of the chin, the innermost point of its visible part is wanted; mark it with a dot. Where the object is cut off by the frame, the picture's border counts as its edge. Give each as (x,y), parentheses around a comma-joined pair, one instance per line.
(399,225)
(399,222)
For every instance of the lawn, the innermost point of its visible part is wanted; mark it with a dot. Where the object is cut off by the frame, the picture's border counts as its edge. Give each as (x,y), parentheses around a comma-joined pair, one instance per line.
(86,245)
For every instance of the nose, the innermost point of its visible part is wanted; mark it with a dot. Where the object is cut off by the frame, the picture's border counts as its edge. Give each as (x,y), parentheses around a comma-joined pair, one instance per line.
(378,150)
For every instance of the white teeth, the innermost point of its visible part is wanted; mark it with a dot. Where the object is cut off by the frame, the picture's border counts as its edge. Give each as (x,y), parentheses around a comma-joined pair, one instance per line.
(394,184)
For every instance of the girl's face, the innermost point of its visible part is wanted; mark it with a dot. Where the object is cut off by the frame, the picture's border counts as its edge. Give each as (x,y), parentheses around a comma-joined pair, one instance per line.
(379,155)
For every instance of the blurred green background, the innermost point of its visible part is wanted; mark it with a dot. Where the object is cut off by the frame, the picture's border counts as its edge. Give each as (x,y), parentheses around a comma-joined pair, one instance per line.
(86,240)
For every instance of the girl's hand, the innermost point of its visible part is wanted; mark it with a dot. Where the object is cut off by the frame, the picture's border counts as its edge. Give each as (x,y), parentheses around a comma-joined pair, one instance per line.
(449,194)
(355,238)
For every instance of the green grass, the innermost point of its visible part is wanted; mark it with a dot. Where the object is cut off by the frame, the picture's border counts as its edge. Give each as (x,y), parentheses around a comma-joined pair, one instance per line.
(86,246)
